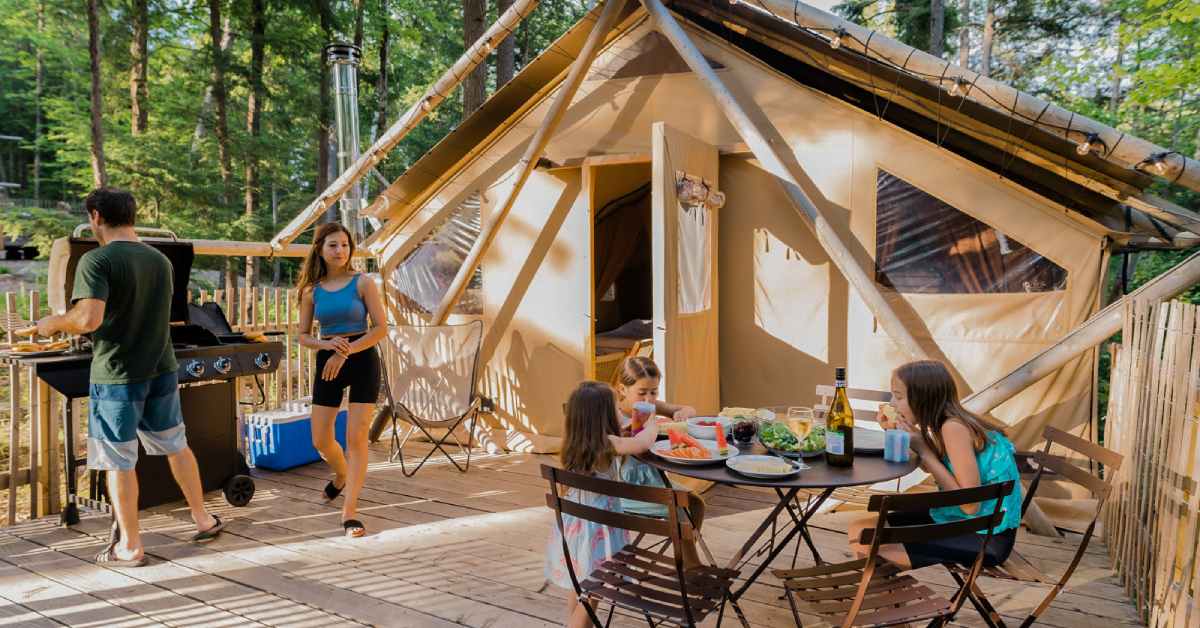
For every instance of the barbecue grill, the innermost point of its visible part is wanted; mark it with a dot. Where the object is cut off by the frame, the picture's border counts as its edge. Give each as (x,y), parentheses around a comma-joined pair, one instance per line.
(211,357)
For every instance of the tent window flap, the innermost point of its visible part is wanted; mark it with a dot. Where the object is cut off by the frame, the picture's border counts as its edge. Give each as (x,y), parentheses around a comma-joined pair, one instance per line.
(925,246)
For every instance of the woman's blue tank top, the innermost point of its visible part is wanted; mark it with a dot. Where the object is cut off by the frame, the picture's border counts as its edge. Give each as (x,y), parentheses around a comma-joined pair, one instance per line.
(340,311)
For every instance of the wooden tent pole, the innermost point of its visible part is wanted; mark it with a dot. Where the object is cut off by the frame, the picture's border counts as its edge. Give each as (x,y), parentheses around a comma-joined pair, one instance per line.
(1092,332)
(429,101)
(789,174)
(1123,149)
(604,23)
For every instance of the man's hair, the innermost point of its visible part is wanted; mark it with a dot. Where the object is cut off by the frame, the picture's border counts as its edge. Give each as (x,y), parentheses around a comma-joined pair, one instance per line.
(116,207)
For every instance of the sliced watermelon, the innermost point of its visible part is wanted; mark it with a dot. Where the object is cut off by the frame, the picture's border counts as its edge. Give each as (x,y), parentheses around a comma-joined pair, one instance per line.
(722,445)
(675,438)
(688,441)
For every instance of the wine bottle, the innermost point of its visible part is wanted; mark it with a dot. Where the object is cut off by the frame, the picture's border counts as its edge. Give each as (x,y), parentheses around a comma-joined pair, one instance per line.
(839,425)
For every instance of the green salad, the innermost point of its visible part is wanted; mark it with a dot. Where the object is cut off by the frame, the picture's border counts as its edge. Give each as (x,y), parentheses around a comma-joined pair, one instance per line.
(815,441)
(778,436)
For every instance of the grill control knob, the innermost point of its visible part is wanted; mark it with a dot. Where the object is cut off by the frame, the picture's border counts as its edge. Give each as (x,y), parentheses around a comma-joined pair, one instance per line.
(263,361)
(195,368)
(223,365)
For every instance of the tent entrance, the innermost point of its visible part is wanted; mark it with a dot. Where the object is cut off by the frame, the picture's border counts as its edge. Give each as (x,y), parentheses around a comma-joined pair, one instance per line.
(622,261)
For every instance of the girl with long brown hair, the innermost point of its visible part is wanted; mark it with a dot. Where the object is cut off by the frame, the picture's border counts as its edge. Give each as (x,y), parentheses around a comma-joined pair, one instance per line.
(960,450)
(341,300)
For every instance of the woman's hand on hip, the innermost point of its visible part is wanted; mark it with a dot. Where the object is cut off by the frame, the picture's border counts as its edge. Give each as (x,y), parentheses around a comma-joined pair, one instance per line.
(333,366)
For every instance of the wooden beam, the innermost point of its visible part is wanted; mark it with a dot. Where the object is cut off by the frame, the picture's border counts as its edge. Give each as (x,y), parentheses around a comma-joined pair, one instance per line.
(1091,333)
(433,96)
(789,174)
(607,19)
(229,248)
(1124,150)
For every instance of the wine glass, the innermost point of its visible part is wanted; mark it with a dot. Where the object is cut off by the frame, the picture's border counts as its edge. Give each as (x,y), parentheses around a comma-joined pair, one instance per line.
(800,420)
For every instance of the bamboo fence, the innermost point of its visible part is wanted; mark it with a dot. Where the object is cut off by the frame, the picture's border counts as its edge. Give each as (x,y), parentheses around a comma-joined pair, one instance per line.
(1151,521)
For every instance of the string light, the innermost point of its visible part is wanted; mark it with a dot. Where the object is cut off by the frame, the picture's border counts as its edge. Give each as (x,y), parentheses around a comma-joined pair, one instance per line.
(838,34)
(1158,163)
(959,87)
(1091,142)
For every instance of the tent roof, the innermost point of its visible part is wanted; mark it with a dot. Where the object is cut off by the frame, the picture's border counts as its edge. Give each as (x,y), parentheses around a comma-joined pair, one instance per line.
(1107,192)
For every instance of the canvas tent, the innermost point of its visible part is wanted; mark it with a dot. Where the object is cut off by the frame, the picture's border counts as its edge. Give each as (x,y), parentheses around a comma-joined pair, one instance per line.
(986,235)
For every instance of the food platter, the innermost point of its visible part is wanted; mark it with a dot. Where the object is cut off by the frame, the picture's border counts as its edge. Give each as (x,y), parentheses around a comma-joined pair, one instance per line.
(696,429)
(29,349)
(662,449)
(743,464)
(868,441)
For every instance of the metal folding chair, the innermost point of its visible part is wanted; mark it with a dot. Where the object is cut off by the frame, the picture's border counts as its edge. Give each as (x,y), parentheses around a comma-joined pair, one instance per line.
(432,373)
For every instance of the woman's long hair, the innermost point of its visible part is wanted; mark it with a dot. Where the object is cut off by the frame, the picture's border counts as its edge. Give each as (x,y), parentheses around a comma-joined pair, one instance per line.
(933,397)
(591,419)
(314,269)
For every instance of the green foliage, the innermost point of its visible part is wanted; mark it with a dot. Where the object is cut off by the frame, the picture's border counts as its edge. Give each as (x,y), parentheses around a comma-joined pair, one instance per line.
(42,226)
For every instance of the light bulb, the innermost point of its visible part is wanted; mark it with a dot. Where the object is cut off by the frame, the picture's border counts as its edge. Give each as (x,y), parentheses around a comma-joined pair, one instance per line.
(956,87)
(838,34)
(1158,163)
(1090,143)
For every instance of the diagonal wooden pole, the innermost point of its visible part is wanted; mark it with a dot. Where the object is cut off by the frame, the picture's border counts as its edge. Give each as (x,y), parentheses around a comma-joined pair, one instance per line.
(604,23)
(429,101)
(789,173)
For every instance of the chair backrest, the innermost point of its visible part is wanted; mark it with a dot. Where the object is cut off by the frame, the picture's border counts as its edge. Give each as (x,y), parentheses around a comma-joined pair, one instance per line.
(884,533)
(870,397)
(675,528)
(432,370)
(1062,468)
(643,348)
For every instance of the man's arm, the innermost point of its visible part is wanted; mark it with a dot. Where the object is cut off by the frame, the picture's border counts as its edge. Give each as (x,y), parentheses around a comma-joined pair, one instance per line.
(83,318)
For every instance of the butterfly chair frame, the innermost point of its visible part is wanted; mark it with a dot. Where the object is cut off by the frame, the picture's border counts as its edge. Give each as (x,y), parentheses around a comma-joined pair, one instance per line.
(874,592)
(650,582)
(424,425)
(1018,568)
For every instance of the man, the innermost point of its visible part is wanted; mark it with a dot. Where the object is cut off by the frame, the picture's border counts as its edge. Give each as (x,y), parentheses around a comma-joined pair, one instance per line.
(122,296)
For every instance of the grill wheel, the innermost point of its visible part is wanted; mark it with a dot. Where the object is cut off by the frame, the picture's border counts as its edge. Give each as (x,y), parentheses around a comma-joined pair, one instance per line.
(239,490)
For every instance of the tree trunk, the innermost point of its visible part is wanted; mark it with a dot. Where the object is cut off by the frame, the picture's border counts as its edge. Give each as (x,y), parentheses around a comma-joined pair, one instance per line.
(964,34)
(358,23)
(139,54)
(506,54)
(381,88)
(475,85)
(989,39)
(323,109)
(220,35)
(937,28)
(39,72)
(258,40)
(1114,95)
(99,174)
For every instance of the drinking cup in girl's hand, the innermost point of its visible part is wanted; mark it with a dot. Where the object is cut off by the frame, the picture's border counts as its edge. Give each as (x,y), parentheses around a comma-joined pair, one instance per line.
(895,445)
(642,411)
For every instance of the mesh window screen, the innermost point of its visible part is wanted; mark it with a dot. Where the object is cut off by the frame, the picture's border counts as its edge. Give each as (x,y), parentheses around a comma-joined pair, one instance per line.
(924,246)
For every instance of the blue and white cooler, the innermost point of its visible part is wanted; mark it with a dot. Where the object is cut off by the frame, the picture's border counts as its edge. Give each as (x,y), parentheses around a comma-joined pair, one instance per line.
(281,439)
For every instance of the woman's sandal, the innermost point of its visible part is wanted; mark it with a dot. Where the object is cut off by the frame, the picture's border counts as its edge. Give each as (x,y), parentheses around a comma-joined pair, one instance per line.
(108,558)
(354,528)
(332,492)
(211,533)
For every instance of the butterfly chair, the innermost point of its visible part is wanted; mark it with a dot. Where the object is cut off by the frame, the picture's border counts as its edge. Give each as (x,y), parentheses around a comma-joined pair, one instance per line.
(431,374)
(649,581)
(872,591)
(1039,465)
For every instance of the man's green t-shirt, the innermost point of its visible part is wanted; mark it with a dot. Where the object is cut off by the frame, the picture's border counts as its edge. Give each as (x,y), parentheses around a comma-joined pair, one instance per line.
(135,281)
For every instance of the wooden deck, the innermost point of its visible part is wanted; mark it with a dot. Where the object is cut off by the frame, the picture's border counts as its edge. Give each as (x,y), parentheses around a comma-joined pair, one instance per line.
(444,549)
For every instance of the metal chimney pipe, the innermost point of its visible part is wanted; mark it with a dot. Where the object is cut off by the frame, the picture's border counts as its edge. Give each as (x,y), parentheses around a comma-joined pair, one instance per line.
(343,60)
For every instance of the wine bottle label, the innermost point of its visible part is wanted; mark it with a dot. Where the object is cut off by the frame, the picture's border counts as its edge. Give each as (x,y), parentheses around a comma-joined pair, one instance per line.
(835,443)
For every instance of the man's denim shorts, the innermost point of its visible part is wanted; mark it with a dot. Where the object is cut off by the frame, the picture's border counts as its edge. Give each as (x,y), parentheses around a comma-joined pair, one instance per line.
(120,414)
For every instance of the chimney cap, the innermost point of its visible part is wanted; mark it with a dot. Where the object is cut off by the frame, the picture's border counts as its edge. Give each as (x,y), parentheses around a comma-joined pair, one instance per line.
(343,53)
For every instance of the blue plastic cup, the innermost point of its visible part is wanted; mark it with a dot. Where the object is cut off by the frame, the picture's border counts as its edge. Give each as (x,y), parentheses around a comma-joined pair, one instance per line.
(895,445)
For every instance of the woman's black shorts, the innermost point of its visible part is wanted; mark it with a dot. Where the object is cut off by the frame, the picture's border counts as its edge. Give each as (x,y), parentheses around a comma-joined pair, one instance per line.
(956,549)
(362,373)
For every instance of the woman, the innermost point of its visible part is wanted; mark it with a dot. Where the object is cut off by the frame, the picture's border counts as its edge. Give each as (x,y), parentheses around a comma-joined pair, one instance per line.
(960,451)
(341,299)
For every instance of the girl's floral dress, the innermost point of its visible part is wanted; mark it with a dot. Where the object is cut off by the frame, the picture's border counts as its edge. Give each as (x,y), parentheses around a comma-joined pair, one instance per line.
(590,543)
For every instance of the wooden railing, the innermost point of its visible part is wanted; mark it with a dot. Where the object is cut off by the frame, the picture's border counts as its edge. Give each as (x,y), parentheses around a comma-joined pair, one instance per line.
(31,480)
(1152,519)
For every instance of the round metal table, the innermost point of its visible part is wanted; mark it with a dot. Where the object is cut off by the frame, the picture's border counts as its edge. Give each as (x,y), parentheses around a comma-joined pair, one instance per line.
(867,470)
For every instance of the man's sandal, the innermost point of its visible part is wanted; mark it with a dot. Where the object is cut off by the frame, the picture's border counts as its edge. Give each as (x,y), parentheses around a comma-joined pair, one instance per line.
(354,528)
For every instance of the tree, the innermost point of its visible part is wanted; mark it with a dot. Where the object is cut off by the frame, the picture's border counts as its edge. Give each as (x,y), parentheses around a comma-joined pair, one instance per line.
(99,173)
(989,39)
(937,31)
(475,85)
(139,56)
(325,15)
(506,54)
(964,34)
(39,84)
(381,87)
(220,37)
(258,94)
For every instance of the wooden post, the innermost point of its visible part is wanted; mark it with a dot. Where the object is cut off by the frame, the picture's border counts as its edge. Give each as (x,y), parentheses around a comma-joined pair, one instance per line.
(1123,149)
(604,23)
(789,173)
(14,416)
(287,343)
(1092,332)
(476,54)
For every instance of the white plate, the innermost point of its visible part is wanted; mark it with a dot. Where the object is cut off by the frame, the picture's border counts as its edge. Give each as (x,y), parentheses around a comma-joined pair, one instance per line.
(661,447)
(868,439)
(797,467)
(706,432)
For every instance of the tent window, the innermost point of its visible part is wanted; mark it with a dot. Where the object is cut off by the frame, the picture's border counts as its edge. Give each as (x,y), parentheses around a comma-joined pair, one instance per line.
(925,246)
(695,258)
